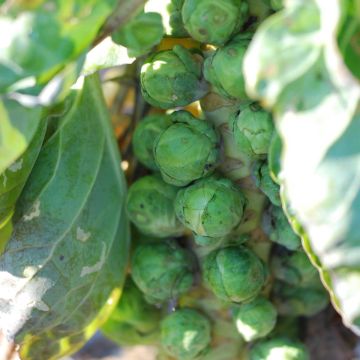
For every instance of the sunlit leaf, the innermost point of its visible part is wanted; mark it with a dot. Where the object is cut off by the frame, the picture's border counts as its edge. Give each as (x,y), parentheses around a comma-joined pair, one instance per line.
(69,246)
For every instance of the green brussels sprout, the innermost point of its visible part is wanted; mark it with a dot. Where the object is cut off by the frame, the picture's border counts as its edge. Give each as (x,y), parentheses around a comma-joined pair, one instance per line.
(140,34)
(234,273)
(134,321)
(213,22)
(279,230)
(162,271)
(170,11)
(211,207)
(279,349)
(266,184)
(144,138)
(223,69)
(252,129)
(172,78)
(299,301)
(295,269)
(185,334)
(255,319)
(150,206)
(187,150)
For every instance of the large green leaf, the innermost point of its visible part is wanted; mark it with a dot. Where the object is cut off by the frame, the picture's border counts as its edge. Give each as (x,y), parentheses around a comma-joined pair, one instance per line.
(40,40)
(294,67)
(69,247)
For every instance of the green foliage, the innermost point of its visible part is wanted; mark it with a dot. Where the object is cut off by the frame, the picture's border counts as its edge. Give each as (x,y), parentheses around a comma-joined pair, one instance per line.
(255,319)
(162,271)
(234,273)
(187,150)
(211,207)
(313,90)
(185,334)
(150,206)
(18,127)
(63,252)
(172,78)
(40,42)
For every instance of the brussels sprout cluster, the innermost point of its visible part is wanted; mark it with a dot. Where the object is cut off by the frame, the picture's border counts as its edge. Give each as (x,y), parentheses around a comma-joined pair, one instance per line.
(216,262)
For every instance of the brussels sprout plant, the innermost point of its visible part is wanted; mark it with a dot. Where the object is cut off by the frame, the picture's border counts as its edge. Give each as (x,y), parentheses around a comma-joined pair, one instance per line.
(180,174)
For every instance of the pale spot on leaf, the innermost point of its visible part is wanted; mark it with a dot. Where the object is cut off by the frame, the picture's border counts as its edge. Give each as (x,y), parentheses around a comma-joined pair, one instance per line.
(86,270)
(16,166)
(82,235)
(34,212)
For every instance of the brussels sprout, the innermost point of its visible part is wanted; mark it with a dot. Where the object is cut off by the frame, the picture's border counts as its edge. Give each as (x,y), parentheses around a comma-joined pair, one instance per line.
(279,349)
(170,11)
(234,273)
(211,207)
(187,150)
(266,184)
(140,34)
(223,69)
(144,138)
(279,230)
(133,321)
(299,301)
(252,129)
(213,22)
(172,78)
(150,206)
(295,269)
(255,319)
(162,271)
(185,334)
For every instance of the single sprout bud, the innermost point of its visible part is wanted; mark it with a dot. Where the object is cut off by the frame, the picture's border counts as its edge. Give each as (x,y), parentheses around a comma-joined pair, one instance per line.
(213,22)
(223,69)
(295,269)
(140,34)
(211,207)
(150,206)
(185,334)
(279,230)
(266,184)
(170,12)
(255,319)
(252,129)
(172,78)
(144,138)
(134,321)
(279,349)
(299,301)
(187,150)
(162,271)
(234,273)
